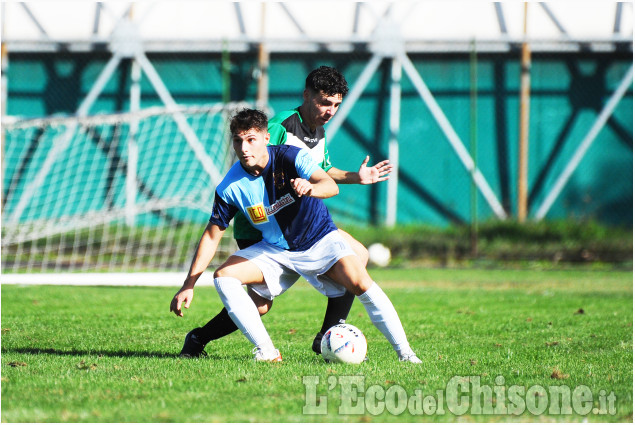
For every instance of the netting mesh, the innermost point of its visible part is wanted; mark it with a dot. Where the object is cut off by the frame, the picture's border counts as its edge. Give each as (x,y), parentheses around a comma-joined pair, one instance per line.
(112,193)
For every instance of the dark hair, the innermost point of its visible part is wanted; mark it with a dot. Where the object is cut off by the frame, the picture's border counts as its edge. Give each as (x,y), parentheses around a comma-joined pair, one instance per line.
(327,79)
(246,119)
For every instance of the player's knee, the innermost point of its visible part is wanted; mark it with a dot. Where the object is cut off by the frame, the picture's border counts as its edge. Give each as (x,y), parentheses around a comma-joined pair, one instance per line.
(359,286)
(228,271)
(237,267)
(220,272)
(262,304)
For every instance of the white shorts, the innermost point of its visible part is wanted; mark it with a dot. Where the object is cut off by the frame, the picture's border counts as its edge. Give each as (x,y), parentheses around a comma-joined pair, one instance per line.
(282,268)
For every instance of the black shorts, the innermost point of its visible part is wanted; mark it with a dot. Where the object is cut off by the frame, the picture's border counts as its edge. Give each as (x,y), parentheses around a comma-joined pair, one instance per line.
(244,243)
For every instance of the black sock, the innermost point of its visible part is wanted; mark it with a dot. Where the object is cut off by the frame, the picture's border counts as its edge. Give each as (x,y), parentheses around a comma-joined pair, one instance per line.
(218,327)
(337,310)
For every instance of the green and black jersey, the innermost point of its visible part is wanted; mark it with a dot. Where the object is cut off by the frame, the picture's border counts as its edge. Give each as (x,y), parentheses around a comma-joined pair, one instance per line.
(287,128)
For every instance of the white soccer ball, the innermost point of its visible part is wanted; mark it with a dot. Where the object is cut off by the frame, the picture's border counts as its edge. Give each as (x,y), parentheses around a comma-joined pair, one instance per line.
(344,343)
(379,254)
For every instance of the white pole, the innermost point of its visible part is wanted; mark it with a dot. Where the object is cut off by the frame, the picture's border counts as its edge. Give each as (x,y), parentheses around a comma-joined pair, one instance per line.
(585,144)
(133,148)
(452,137)
(4,59)
(99,85)
(65,139)
(393,144)
(353,95)
(179,118)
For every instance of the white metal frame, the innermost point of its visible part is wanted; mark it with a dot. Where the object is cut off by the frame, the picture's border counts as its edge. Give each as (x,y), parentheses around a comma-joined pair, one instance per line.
(385,42)
(585,144)
(125,43)
(562,19)
(390,45)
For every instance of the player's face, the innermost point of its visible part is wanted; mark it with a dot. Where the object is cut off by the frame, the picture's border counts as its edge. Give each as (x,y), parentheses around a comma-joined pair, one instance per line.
(320,107)
(251,149)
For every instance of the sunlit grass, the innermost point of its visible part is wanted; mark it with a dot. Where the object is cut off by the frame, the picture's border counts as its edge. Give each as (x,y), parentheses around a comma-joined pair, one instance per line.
(108,354)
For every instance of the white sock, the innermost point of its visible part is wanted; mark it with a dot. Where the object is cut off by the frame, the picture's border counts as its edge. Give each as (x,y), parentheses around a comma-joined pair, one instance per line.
(384,316)
(243,311)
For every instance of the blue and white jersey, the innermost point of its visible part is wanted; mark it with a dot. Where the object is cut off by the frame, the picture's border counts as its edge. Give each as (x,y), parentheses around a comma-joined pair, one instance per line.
(270,203)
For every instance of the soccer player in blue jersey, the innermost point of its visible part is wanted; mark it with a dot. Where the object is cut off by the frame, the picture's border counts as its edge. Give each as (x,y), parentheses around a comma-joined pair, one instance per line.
(325,88)
(279,188)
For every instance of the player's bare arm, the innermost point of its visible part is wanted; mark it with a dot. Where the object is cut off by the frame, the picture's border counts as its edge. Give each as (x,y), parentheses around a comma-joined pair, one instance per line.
(365,175)
(204,254)
(320,185)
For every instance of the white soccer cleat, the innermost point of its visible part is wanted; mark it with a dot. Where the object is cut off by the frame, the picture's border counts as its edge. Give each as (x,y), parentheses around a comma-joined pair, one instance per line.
(261,355)
(410,358)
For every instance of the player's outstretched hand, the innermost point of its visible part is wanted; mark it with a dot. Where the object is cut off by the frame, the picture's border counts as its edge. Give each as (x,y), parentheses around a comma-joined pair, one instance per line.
(302,187)
(181,297)
(377,173)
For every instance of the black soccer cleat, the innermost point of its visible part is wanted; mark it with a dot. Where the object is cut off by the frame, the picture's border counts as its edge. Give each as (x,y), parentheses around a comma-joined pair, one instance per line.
(192,347)
(317,343)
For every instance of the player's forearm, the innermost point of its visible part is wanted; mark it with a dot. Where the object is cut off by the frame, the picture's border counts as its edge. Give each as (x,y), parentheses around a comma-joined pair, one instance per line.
(343,177)
(204,254)
(323,189)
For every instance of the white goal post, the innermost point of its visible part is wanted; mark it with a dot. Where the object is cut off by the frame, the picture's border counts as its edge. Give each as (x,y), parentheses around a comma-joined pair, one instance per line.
(111,199)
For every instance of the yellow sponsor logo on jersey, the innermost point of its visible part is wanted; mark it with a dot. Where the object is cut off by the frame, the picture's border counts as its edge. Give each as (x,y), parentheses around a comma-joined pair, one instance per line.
(257,214)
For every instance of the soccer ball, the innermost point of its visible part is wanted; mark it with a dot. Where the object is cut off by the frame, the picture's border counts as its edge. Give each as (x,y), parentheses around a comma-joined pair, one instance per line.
(344,343)
(379,254)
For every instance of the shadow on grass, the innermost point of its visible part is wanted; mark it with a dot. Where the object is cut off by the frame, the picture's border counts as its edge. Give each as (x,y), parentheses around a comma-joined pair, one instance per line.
(106,353)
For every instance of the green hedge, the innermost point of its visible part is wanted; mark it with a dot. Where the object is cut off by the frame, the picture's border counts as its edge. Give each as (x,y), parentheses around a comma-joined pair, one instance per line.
(552,241)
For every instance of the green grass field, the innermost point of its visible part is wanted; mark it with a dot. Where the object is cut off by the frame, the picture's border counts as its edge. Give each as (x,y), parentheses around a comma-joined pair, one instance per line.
(108,354)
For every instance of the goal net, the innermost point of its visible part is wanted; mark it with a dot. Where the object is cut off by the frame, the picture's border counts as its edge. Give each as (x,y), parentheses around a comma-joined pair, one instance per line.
(116,193)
